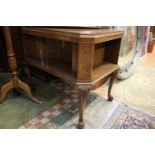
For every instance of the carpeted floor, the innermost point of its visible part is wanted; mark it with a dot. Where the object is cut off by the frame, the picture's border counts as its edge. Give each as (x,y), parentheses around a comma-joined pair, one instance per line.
(126,117)
(60,109)
(113,116)
(138,90)
(60,102)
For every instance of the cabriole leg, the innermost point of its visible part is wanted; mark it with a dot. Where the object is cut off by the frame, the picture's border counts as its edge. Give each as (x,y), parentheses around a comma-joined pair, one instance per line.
(112,79)
(83,91)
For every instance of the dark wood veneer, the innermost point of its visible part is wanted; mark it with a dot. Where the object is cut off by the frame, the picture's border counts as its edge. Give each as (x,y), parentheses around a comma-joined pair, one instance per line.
(84,57)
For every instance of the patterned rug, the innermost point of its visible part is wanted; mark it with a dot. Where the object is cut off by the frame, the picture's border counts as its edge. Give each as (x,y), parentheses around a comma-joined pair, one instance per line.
(121,117)
(60,109)
(126,117)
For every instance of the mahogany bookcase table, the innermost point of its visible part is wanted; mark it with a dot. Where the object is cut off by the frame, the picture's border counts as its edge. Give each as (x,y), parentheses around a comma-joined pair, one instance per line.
(84,57)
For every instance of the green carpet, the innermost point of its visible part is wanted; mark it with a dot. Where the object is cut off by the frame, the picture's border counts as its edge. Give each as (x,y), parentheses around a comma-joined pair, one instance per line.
(61,102)
(18,111)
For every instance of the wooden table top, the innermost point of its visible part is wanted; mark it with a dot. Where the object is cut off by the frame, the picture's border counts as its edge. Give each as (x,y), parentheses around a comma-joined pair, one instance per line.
(93,34)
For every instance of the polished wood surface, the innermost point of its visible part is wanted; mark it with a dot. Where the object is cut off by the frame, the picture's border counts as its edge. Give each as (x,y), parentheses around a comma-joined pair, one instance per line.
(75,35)
(3,55)
(84,57)
(15,81)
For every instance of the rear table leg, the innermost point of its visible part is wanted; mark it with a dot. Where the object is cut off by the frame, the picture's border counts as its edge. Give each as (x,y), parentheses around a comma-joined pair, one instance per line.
(112,79)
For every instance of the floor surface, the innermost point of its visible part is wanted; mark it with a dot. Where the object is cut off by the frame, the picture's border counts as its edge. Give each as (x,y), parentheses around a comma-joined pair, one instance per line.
(139,89)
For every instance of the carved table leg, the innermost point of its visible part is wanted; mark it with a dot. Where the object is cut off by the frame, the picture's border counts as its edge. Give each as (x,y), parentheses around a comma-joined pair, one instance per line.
(112,79)
(83,98)
(15,82)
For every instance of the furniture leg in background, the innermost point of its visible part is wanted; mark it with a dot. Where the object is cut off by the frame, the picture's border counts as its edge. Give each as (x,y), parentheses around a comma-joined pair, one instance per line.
(15,81)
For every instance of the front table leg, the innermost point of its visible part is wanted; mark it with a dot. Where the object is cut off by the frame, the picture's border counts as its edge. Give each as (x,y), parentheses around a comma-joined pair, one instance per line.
(83,91)
(112,79)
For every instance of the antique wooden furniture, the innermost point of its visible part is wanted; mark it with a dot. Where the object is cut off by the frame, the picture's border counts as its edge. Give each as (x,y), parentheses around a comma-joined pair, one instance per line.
(15,82)
(84,57)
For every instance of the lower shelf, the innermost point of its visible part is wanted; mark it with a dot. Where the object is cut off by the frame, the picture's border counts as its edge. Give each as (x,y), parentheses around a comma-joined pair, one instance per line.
(103,71)
(64,71)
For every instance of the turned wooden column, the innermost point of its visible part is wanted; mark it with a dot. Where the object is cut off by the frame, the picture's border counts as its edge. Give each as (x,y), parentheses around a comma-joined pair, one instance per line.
(15,81)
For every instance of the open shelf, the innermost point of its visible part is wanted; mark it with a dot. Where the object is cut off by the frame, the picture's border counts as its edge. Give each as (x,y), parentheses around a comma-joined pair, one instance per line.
(63,70)
(57,68)
(102,71)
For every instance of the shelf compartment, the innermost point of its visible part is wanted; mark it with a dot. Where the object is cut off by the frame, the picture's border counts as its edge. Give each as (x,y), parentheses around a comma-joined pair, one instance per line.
(102,71)
(57,68)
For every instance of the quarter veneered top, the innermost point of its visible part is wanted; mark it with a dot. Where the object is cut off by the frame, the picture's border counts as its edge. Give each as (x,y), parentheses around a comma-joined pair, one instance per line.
(77,34)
